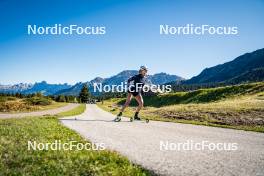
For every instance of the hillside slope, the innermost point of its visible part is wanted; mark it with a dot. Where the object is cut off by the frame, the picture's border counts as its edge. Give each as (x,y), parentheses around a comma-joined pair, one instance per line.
(230,70)
(238,106)
(202,95)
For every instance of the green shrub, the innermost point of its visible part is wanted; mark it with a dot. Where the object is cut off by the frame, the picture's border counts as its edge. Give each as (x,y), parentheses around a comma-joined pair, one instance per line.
(61,98)
(6,98)
(38,101)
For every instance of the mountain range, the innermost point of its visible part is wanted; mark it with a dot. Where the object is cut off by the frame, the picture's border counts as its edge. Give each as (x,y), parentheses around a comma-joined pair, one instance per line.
(159,78)
(45,88)
(248,67)
(15,88)
(66,89)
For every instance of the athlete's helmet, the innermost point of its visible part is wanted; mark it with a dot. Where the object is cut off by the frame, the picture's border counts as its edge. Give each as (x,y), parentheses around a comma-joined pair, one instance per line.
(143,68)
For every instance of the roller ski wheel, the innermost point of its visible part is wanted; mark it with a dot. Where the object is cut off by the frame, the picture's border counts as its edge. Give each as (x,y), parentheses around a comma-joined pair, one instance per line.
(117,119)
(138,119)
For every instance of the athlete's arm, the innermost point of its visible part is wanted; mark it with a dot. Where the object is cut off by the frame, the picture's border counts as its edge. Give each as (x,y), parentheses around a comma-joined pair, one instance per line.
(131,79)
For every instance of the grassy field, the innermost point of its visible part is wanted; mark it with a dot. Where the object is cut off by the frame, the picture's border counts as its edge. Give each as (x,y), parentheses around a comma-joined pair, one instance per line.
(16,105)
(239,107)
(16,159)
(76,111)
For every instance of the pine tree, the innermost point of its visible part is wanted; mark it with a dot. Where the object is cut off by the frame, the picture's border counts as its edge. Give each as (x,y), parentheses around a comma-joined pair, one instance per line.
(61,98)
(39,94)
(84,94)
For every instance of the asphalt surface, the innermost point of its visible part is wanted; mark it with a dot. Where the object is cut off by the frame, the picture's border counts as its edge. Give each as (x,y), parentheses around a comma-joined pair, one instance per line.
(240,152)
(39,113)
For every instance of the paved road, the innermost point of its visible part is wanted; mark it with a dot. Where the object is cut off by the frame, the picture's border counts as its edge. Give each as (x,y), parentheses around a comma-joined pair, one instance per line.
(140,142)
(40,113)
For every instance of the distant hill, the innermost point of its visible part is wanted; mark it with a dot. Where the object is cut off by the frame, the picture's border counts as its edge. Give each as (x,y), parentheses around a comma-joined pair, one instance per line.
(120,77)
(15,88)
(73,90)
(163,78)
(123,76)
(45,88)
(159,78)
(247,67)
(255,75)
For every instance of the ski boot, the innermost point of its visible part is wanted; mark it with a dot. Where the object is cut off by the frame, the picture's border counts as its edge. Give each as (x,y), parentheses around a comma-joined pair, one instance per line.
(137,118)
(118,117)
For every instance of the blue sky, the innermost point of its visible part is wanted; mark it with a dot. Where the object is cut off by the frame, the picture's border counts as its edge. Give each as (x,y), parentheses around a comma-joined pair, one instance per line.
(132,38)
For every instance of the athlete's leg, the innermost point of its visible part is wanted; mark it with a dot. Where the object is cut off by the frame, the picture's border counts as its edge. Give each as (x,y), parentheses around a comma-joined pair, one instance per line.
(118,117)
(128,100)
(140,105)
(140,102)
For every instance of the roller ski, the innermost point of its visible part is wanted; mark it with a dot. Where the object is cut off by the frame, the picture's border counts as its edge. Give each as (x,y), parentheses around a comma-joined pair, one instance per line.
(118,117)
(136,118)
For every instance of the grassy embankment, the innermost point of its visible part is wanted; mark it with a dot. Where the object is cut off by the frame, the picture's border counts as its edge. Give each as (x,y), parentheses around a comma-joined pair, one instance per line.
(9,104)
(238,107)
(76,111)
(16,159)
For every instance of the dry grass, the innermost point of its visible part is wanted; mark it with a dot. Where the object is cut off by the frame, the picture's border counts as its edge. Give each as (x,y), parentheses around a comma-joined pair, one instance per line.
(240,112)
(246,110)
(16,105)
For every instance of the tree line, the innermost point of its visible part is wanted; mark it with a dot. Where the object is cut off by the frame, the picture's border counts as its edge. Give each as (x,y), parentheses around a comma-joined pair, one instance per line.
(84,96)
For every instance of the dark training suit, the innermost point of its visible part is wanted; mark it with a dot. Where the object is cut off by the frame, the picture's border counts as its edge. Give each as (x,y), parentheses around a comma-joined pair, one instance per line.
(138,81)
